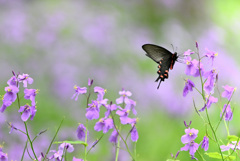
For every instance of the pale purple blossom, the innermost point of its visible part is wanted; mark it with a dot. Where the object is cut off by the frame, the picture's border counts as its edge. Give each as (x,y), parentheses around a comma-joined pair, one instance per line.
(192,147)
(81,130)
(25,79)
(188,87)
(66,146)
(92,112)
(78,90)
(30,94)
(211,55)
(123,96)
(227,112)
(227,93)
(114,136)
(190,135)
(205,143)
(104,124)
(209,84)
(210,100)
(188,52)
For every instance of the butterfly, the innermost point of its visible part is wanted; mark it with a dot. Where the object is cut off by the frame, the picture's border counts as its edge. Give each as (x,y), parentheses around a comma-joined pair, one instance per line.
(163,57)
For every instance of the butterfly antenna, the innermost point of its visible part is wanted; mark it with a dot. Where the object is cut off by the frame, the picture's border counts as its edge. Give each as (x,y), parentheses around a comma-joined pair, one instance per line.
(172,47)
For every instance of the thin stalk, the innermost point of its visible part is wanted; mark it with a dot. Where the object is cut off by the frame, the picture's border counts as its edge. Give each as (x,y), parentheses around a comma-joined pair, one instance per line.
(24,150)
(53,139)
(85,147)
(25,124)
(122,138)
(214,134)
(117,149)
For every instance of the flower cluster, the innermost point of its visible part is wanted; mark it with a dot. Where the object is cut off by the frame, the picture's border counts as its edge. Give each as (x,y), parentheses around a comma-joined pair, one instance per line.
(11,95)
(114,112)
(208,80)
(190,144)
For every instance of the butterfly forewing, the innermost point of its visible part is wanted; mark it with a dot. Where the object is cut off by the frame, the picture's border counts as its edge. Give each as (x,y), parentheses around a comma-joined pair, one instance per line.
(156,53)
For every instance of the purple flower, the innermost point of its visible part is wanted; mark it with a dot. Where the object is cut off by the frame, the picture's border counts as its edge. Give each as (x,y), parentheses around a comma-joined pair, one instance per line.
(9,97)
(175,157)
(78,91)
(188,52)
(33,111)
(93,110)
(12,81)
(124,96)
(123,113)
(12,127)
(11,93)
(191,134)
(210,100)
(104,124)
(57,155)
(30,94)
(232,146)
(191,146)
(227,112)
(5,105)
(26,112)
(188,87)
(134,134)
(90,82)
(130,104)
(3,156)
(228,92)
(211,55)
(66,146)
(101,92)
(25,79)
(192,67)
(110,107)
(205,143)
(209,84)
(81,132)
(76,159)
(114,136)
(187,126)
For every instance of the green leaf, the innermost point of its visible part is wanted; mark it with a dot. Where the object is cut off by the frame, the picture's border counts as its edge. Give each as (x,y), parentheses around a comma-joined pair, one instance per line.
(218,156)
(172,160)
(71,142)
(233,138)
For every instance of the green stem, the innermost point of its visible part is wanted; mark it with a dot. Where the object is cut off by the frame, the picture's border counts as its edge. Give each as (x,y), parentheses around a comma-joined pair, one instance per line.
(122,138)
(117,149)
(201,155)
(85,148)
(24,150)
(214,134)
(86,132)
(25,124)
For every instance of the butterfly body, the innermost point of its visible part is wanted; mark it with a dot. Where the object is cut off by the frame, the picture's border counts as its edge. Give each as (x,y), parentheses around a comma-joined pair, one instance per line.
(163,57)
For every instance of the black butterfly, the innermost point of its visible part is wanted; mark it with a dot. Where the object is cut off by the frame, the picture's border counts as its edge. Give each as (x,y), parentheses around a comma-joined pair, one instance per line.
(163,57)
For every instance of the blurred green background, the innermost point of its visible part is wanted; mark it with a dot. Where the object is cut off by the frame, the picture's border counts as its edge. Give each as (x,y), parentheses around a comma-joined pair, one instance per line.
(63,43)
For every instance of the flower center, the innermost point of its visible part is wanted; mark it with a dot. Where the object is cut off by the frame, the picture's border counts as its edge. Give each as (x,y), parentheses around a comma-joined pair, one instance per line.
(75,87)
(190,134)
